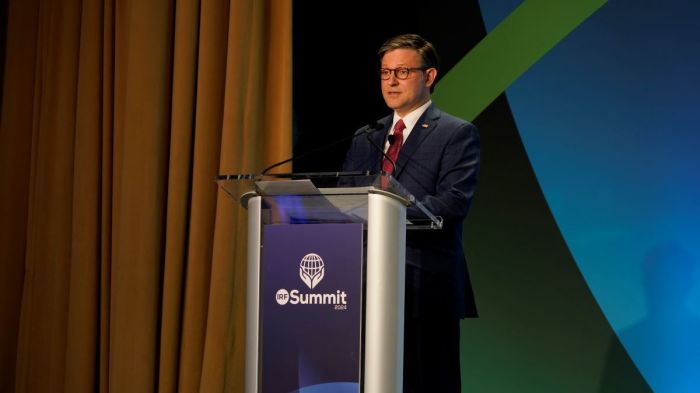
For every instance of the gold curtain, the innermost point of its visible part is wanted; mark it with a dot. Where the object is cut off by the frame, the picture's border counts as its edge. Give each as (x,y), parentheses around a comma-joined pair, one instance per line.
(121,261)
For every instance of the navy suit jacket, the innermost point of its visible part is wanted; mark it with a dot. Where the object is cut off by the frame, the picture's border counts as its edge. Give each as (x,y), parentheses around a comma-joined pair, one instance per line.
(438,164)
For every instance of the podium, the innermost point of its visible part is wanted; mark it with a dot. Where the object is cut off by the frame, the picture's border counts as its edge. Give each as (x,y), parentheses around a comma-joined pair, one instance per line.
(325,279)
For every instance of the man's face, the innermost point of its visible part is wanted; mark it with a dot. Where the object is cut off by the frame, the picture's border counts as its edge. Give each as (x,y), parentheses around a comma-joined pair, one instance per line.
(405,95)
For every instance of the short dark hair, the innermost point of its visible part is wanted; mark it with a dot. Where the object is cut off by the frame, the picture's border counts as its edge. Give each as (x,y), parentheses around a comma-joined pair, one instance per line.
(425,49)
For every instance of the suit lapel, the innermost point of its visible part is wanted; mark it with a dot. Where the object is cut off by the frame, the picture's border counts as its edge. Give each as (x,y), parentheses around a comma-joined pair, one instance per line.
(425,125)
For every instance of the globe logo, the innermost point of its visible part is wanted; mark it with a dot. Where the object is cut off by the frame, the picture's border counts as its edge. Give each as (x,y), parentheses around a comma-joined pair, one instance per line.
(311,270)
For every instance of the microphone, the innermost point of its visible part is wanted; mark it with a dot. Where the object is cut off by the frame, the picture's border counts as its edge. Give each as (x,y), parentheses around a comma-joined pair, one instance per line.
(367,130)
(391,139)
(370,128)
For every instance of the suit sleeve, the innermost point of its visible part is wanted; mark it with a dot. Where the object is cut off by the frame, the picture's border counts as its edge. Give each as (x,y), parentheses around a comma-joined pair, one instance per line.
(457,176)
(353,157)
(357,158)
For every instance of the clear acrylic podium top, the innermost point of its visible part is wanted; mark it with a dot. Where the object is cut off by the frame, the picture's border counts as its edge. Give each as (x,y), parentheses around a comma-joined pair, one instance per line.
(324,197)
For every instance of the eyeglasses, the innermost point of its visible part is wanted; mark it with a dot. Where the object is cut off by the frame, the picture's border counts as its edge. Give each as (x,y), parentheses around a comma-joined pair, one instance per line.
(399,72)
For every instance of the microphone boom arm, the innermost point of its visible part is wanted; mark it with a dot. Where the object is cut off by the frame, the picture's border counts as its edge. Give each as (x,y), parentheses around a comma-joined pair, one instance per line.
(373,127)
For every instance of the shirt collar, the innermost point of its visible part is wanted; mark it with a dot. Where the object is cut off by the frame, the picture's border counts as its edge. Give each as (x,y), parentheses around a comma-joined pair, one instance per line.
(410,119)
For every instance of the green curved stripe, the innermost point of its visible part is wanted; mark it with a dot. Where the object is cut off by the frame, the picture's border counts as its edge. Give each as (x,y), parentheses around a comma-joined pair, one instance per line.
(517,43)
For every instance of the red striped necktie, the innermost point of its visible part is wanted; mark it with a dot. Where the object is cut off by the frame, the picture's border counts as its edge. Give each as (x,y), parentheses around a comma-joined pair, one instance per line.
(394,147)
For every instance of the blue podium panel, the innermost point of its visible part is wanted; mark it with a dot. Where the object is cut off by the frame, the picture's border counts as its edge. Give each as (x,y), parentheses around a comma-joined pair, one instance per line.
(311,300)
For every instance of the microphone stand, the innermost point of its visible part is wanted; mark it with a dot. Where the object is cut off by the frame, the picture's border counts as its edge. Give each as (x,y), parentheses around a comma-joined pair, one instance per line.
(391,142)
(369,129)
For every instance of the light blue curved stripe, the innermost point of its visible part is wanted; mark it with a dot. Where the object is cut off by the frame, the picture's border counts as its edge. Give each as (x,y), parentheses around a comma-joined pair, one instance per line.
(608,119)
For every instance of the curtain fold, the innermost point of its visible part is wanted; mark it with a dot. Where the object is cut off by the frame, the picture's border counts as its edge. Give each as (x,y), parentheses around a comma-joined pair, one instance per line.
(184,89)
(16,121)
(122,263)
(84,270)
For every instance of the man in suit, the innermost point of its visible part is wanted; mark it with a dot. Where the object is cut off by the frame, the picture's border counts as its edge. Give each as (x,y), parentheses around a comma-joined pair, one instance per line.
(438,162)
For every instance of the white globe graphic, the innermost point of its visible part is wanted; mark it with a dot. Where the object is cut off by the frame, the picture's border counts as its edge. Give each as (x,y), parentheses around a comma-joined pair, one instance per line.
(311,269)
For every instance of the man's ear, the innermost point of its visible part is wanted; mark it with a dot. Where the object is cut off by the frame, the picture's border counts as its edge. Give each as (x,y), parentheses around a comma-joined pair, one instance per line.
(430,75)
